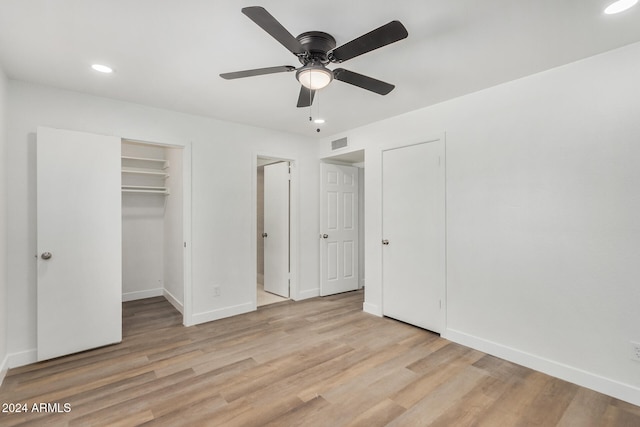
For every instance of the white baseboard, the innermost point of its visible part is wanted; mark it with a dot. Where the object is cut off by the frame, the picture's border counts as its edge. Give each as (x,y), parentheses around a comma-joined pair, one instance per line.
(174,301)
(4,367)
(136,295)
(221,313)
(15,360)
(619,390)
(309,293)
(372,309)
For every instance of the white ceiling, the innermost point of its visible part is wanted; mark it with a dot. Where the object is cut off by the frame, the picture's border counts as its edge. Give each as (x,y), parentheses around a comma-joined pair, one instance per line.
(169,53)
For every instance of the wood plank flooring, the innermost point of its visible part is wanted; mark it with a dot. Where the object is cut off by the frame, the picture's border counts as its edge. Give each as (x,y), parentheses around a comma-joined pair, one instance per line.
(319,362)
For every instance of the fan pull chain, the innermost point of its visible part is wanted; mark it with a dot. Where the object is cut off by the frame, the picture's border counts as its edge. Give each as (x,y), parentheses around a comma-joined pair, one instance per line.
(310,94)
(318,110)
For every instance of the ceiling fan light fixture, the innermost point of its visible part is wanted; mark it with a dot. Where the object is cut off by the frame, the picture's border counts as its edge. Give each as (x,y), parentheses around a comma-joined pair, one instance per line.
(619,6)
(314,76)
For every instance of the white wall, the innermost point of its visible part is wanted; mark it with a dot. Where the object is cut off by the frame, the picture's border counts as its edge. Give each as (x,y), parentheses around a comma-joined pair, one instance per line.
(3,226)
(223,207)
(543,217)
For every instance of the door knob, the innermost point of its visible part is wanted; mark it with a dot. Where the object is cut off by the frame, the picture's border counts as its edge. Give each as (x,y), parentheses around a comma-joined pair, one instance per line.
(385,242)
(325,236)
(45,255)
(264,234)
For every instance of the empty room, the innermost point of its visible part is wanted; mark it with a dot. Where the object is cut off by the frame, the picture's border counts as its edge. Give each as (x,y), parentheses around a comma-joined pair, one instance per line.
(239,213)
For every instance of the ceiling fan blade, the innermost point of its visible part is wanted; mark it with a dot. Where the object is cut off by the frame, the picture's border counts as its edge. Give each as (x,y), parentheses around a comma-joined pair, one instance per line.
(362,81)
(381,36)
(267,22)
(257,72)
(305,99)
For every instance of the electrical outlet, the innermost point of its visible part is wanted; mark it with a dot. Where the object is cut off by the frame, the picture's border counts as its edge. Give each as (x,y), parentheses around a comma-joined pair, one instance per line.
(216,291)
(635,351)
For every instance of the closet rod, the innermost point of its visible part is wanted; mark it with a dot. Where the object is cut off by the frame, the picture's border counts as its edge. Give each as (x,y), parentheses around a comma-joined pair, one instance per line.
(143,187)
(163,174)
(145,159)
(162,192)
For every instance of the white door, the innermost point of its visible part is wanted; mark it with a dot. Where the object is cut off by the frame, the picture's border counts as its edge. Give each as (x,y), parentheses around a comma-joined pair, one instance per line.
(413,230)
(79,240)
(276,229)
(338,229)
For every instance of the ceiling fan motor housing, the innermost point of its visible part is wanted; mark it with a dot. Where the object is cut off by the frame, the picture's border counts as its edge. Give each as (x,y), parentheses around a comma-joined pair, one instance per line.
(315,44)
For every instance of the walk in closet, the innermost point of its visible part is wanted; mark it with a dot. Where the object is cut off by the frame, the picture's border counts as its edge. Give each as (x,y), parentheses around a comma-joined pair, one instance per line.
(152,235)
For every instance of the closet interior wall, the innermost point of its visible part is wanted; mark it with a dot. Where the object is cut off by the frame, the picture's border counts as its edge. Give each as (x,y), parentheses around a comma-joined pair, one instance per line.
(152,237)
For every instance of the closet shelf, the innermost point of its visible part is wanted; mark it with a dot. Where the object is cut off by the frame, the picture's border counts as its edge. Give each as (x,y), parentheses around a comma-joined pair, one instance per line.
(165,163)
(146,172)
(153,170)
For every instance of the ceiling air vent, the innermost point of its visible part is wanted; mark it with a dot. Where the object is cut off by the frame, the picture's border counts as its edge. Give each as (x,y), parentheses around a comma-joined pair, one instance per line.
(339,143)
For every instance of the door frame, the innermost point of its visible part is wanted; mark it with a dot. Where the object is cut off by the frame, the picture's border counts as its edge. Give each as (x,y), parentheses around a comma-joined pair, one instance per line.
(187,308)
(439,138)
(294,223)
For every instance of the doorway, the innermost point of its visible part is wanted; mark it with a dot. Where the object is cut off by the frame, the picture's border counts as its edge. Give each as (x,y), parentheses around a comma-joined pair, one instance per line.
(273,231)
(342,258)
(153,242)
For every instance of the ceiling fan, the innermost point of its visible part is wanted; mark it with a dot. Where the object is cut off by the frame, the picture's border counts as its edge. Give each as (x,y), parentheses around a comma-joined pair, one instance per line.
(316,49)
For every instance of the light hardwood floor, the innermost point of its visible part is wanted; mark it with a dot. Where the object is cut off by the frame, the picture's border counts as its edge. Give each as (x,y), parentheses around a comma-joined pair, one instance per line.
(319,362)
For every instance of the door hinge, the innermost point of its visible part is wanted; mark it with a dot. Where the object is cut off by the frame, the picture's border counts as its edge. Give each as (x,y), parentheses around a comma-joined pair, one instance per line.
(185,244)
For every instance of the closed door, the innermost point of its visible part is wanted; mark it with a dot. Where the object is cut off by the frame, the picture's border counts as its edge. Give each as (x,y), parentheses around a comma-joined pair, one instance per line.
(338,229)
(79,240)
(276,229)
(413,270)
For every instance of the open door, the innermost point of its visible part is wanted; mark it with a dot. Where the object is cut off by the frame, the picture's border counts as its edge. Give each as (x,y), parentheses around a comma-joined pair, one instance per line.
(79,240)
(338,228)
(276,229)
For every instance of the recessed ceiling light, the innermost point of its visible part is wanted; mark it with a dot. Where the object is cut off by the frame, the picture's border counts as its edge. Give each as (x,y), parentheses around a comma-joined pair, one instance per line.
(105,69)
(619,6)
(318,121)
